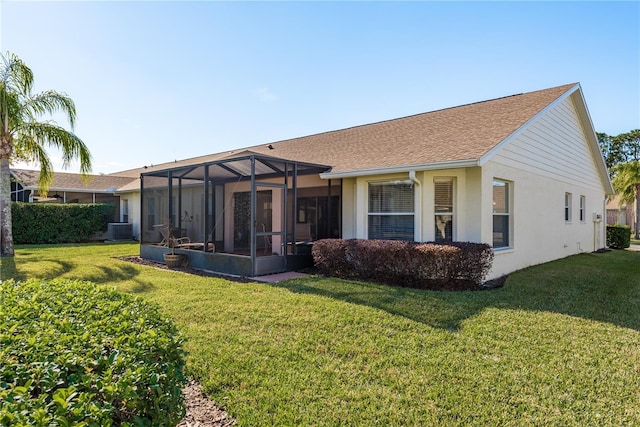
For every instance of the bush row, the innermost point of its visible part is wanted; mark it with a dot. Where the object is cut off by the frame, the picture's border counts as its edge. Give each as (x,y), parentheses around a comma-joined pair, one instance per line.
(75,354)
(38,223)
(457,265)
(618,236)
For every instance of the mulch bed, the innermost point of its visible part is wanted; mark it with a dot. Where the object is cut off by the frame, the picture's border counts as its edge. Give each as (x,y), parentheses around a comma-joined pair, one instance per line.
(202,411)
(189,270)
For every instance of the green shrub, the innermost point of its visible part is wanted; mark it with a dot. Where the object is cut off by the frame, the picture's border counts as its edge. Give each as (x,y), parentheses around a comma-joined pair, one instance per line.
(618,236)
(72,353)
(37,223)
(457,265)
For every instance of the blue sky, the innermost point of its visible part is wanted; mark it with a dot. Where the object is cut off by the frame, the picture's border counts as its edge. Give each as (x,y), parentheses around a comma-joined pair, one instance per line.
(159,81)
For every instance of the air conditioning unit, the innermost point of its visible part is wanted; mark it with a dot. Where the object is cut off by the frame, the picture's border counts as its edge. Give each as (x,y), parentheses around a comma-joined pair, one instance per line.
(119,231)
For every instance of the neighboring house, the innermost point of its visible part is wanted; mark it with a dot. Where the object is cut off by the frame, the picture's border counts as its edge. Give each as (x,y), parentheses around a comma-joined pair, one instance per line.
(68,188)
(523,173)
(620,212)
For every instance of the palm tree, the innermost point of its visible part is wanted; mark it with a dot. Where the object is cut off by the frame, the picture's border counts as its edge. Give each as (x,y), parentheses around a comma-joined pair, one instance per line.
(626,182)
(23,137)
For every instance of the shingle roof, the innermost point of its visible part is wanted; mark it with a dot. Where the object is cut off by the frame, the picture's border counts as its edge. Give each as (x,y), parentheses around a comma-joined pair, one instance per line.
(460,133)
(72,181)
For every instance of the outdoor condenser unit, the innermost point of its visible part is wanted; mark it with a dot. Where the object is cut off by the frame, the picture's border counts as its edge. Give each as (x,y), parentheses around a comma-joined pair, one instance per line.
(119,231)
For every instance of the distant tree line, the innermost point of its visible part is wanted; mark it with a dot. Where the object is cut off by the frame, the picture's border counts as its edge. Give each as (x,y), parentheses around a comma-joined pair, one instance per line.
(621,148)
(622,156)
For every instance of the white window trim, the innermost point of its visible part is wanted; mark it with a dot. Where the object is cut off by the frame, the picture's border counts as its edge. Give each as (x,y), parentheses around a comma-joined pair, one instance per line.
(509,194)
(454,227)
(583,209)
(568,211)
(370,214)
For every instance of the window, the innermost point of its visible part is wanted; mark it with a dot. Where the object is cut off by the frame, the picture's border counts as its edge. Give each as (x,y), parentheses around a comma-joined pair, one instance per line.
(567,207)
(125,210)
(443,210)
(583,205)
(391,211)
(151,213)
(501,214)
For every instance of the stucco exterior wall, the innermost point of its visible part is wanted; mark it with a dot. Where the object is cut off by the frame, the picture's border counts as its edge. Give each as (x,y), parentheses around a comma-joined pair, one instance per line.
(133,199)
(549,158)
(466,191)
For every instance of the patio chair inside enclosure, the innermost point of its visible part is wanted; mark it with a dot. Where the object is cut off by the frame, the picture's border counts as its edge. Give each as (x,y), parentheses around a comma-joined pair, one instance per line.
(168,239)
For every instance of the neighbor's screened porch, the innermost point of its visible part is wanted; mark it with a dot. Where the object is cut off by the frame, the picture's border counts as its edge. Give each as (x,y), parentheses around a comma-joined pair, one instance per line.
(211,208)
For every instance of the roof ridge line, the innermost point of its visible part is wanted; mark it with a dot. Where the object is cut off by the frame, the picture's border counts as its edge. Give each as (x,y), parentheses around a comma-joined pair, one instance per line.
(409,116)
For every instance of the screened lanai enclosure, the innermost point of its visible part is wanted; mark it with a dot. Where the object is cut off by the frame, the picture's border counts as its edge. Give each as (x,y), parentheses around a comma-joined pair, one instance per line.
(247,215)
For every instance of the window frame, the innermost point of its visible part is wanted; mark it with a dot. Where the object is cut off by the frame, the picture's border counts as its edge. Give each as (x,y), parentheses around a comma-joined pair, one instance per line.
(568,201)
(508,214)
(583,209)
(384,213)
(125,210)
(451,212)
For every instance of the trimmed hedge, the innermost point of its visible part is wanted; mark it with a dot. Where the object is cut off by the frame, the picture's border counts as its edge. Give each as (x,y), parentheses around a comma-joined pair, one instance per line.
(457,265)
(72,353)
(40,223)
(618,236)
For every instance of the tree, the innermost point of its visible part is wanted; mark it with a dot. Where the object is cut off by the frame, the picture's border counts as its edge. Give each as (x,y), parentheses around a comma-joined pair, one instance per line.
(24,137)
(612,150)
(620,148)
(629,143)
(626,182)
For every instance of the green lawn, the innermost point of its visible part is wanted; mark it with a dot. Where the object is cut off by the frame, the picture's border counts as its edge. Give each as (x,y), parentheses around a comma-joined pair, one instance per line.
(558,345)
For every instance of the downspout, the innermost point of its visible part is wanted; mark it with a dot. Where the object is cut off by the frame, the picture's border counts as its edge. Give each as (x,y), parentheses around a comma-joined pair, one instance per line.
(412,177)
(417,207)
(596,243)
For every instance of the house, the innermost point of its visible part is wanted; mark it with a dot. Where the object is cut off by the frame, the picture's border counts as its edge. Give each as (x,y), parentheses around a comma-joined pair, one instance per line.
(620,212)
(67,188)
(523,173)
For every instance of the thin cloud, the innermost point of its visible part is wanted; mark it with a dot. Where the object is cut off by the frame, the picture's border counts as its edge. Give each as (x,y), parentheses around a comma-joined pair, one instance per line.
(266,95)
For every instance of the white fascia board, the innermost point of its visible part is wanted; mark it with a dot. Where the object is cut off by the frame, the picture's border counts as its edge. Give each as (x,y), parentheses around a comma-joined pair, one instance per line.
(592,138)
(492,152)
(454,164)
(71,190)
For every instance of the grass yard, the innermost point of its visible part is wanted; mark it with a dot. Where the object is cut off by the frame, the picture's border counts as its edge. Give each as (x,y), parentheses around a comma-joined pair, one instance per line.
(558,345)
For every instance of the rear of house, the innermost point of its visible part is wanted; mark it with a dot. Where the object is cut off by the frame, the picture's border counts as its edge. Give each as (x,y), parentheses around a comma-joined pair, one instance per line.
(523,173)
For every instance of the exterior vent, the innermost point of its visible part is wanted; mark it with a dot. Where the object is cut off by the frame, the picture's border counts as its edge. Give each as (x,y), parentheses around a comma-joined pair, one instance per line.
(119,231)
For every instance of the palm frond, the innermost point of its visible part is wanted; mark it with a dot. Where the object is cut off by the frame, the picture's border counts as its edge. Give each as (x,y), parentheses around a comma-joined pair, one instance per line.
(627,180)
(50,102)
(70,145)
(15,75)
(31,149)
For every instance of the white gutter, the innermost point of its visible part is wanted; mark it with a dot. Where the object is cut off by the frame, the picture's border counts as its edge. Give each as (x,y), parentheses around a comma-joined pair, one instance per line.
(74,190)
(455,164)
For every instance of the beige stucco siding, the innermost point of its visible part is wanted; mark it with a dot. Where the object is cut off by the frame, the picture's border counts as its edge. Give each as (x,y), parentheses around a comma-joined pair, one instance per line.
(355,192)
(133,199)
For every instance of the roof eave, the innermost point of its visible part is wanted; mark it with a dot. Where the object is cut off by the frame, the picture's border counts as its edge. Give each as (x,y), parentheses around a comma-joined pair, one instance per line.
(73,190)
(453,164)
